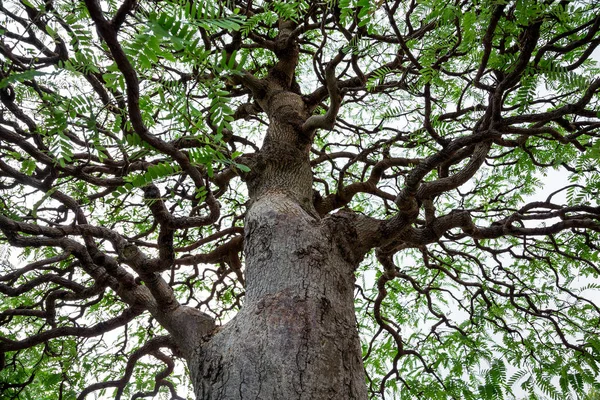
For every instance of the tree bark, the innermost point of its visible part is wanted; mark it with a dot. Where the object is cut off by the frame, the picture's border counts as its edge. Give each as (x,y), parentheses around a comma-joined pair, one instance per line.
(296,336)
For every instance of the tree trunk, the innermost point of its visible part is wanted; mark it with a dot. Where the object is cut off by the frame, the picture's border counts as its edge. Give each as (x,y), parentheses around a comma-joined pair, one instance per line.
(296,335)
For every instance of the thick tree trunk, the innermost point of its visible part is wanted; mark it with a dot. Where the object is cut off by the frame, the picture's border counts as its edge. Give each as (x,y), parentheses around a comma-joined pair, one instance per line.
(296,336)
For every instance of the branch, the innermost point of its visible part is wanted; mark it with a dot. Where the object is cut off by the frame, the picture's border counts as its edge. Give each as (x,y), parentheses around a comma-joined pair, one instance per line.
(149,348)
(108,32)
(219,254)
(327,121)
(345,194)
(121,14)
(96,330)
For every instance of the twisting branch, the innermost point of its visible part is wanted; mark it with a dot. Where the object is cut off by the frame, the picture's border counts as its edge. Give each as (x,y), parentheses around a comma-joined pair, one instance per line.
(151,347)
(95,330)
(327,121)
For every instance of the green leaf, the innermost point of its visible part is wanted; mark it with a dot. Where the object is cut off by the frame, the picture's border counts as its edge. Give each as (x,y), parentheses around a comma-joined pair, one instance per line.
(20,77)
(242,167)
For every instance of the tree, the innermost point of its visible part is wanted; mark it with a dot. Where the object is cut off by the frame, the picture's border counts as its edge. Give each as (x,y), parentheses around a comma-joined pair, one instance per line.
(232,183)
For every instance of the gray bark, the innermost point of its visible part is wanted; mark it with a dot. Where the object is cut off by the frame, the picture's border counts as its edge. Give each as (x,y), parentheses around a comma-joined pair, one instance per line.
(296,336)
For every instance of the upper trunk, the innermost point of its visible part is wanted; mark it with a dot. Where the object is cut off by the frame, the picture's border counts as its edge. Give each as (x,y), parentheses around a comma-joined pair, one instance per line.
(283,162)
(296,336)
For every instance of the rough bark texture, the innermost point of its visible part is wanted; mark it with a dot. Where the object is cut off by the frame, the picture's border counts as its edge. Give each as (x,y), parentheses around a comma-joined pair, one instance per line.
(296,336)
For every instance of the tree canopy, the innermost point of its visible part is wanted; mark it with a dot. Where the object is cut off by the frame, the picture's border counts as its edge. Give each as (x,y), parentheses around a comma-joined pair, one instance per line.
(128,130)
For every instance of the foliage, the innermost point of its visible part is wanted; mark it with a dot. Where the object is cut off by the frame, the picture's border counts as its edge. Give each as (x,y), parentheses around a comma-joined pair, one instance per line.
(85,134)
